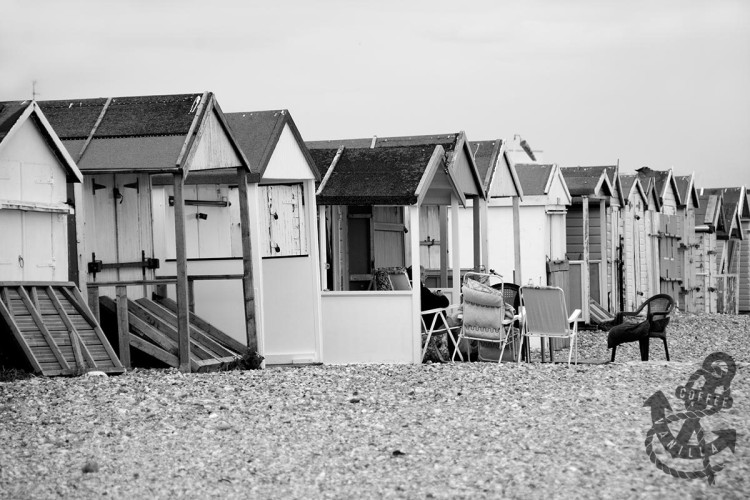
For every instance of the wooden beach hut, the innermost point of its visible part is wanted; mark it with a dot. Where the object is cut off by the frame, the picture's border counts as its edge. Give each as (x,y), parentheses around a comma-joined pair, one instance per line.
(710,223)
(586,240)
(688,244)
(120,144)
(370,212)
(729,249)
(633,260)
(43,316)
(283,234)
(614,214)
(666,226)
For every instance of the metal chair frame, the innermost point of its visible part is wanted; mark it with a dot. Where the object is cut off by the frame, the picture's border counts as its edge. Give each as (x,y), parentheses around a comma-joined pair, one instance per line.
(565,331)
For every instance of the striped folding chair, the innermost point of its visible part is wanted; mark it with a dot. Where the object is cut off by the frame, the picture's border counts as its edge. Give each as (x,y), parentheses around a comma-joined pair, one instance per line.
(546,316)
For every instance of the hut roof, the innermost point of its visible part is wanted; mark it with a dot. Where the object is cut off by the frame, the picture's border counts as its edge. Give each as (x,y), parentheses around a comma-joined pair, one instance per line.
(661,180)
(488,156)
(14,114)
(587,181)
(373,176)
(630,185)
(138,133)
(686,188)
(534,178)
(258,132)
(734,206)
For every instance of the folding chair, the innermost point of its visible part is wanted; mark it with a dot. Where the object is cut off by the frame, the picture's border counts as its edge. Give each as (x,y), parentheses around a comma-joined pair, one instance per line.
(546,316)
(483,313)
(435,321)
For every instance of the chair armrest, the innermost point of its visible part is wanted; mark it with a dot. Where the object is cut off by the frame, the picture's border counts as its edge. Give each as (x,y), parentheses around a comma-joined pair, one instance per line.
(440,309)
(576,314)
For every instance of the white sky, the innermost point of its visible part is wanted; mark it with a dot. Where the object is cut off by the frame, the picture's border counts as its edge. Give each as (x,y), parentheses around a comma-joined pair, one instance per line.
(648,82)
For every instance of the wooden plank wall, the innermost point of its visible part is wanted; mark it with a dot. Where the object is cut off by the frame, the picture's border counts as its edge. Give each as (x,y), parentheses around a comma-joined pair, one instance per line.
(744,269)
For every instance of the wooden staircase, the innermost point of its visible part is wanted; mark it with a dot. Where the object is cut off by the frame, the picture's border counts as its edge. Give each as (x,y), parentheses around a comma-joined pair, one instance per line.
(55,329)
(153,331)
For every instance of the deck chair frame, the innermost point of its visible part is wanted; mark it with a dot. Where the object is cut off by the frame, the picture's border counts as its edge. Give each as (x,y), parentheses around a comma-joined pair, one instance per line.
(556,314)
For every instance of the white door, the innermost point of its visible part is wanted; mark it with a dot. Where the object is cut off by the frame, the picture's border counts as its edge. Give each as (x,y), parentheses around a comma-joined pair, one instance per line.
(35,247)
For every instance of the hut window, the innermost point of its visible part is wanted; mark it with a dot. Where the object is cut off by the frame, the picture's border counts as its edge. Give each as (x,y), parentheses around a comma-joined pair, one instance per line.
(283,221)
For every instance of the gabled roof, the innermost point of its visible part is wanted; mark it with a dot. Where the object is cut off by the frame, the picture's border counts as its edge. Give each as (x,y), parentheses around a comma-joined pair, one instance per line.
(613,174)
(12,117)
(686,188)
(734,205)
(710,213)
(537,179)
(450,143)
(587,181)
(144,133)
(631,187)
(258,132)
(488,157)
(662,180)
(378,176)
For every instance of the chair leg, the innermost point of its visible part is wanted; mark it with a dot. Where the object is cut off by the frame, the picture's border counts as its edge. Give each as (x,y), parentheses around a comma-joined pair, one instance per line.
(643,345)
(614,350)
(666,350)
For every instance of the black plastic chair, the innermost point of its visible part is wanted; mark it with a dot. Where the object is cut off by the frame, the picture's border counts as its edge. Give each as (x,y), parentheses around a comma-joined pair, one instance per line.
(658,308)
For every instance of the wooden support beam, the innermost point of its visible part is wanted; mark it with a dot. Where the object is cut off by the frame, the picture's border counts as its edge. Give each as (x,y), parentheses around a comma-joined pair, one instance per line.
(183,324)
(484,242)
(476,233)
(93,294)
(456,243)
(585,270)
(443,220)
(416,325)
(603,278)
(322,238)
(247,265)
(79,348)
(123,326)
(517,240)
(74,297)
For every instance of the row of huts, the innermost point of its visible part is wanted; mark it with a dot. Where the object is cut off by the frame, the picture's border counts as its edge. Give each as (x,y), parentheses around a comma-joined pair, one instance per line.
(261,241)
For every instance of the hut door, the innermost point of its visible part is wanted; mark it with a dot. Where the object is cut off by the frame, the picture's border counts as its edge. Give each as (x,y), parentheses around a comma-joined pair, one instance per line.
(359,247)
(118,224)
(34,247)
(388,231)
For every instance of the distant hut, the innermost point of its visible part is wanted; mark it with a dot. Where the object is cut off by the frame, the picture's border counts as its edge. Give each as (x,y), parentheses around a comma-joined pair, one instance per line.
(614,214)
(688,244)
(633,269)
(372,199)
(730,267)
(667,228)
(709,224)
(587,244)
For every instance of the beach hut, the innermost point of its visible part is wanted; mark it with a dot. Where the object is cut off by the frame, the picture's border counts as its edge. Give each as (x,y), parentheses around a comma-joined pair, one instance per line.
(633,260)
(586,240)
(120,144)
(687,246)
(41,308)
(614,214)
(370,211)
(729,248)
(283,233)
(709,224)
(666,226)
(435,252)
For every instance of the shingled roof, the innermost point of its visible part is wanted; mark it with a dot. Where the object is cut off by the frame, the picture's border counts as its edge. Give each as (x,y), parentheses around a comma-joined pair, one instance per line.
(14,114)
(534,178)
(258,132)
(628,182)
(661,180)
(140,133)
(710,212)
(686,188)
(587,181)
(734,206)
(379,176)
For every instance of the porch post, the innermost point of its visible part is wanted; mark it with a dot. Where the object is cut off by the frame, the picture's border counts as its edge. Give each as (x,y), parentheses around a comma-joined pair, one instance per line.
(183,314)
(477,234)
(484,228)
(443,219)
(585,268)
(416,306)
(247,264)
(603,275)
(455,242)
(322,242)
(517,240)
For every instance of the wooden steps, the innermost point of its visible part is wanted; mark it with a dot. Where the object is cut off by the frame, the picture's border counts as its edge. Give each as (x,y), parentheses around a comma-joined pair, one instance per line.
(153,331)
(55,329)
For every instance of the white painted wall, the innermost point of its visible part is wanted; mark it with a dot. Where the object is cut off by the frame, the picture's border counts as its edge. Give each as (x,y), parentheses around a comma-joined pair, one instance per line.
(368,327)
(35,244)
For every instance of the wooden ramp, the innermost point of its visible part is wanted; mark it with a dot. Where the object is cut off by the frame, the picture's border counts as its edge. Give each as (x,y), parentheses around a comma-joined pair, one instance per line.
(55,328)
(153,330)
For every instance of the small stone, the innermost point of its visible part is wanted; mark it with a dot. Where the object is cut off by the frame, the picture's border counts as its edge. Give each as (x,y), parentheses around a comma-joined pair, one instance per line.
(355,400)
(223,426)
(90,466)
(95,373)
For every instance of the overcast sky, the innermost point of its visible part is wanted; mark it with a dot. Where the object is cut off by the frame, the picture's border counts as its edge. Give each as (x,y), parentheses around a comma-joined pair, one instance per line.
(657,83)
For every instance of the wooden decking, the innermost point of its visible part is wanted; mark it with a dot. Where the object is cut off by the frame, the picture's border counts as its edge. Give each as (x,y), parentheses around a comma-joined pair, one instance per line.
(153,331)
(55,328)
